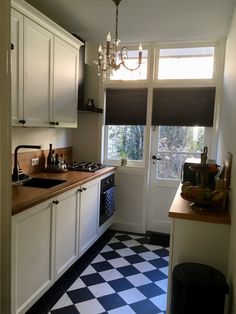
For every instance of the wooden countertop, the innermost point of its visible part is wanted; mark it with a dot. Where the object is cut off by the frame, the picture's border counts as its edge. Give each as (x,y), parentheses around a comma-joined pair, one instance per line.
(25,197)
(181,208)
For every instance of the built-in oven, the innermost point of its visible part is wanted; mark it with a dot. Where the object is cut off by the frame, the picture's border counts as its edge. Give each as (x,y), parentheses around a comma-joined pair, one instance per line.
(107,198)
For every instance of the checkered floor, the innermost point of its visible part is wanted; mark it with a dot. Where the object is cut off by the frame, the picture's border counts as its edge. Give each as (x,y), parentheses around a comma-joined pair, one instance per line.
(127,276)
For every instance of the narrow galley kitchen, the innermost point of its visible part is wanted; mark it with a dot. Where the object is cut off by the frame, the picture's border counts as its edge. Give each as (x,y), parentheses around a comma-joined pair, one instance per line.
(121,273)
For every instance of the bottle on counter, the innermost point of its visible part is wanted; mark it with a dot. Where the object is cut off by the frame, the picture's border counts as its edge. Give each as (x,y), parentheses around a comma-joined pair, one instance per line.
(49,157)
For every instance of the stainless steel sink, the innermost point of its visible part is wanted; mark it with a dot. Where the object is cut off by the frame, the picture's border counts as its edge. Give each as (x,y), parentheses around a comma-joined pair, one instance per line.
(44,183)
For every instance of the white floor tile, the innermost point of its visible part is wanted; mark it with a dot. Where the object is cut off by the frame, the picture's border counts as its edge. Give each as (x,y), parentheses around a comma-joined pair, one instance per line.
(98,258)
(118,262)
(77,285)
(90,307)
(160,301)
(130,243)
(152,247)
(164,270)
(138,280)
(88,271)
(125,252)
(148,256)
(63,301)
(101,289)
(111,274)
(106,248)
(113,240)
(122,310)
(144,266)
(163,284)
(131,295)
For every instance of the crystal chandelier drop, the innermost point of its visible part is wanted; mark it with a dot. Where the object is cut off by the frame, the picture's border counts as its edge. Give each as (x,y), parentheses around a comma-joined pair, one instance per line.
(110,57)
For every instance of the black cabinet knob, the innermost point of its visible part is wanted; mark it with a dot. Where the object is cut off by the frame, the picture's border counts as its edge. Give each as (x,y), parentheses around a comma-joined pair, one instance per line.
(80,190)
(56,123)
(22,121)
(84,189)
(56,202)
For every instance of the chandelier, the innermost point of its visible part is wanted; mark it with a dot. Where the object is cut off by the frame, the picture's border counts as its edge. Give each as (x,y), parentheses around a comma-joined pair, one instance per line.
(110,57)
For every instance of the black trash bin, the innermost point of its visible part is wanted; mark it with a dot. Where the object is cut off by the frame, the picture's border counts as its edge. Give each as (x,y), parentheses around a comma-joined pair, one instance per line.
(197,289)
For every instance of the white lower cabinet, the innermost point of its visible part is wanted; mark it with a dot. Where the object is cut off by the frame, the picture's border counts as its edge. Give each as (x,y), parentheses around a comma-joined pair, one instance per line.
(89,211)
(32,247)
(48,238)
(66,231)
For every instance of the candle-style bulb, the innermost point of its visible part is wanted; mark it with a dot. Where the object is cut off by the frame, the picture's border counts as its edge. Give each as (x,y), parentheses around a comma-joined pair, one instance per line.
(100,48)
(140,48)
(109,36)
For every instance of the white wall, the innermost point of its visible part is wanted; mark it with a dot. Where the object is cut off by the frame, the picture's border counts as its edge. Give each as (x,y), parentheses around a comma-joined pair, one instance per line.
(5,160)
(227,143)
(41,136)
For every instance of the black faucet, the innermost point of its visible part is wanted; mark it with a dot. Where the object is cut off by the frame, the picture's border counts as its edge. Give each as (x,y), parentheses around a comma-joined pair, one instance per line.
(15,174)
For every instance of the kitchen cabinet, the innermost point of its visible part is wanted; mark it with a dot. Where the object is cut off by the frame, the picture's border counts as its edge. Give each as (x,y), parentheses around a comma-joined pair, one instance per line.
(44,70)
(38,47)
(198,237)
(17,66)
(32,255)
(89,211)
(66,231)
(49,237)
(65,84)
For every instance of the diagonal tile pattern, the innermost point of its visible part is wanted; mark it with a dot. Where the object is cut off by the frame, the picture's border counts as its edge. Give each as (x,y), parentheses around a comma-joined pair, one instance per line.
(127,276)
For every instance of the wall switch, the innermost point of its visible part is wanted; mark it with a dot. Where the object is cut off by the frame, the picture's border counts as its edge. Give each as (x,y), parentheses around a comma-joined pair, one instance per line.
(35,161)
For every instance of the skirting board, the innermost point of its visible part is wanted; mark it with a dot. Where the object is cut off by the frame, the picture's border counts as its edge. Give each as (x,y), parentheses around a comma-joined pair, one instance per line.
(127,227)
(163,226)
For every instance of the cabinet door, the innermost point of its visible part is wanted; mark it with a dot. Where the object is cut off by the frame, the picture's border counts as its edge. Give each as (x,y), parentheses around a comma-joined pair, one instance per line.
(38,45)
(66,241)
(65,88)
(17,66)
(32,272)
(89,207)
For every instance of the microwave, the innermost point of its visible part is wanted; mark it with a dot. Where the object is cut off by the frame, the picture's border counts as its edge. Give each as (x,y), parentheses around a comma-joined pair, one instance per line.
(188,174)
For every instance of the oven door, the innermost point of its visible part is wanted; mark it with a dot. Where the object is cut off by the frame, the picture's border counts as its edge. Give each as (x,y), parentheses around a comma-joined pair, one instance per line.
(107,204)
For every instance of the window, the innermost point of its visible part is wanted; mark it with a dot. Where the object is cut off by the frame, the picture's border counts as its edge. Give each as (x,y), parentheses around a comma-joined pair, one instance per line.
(186,63)
(175,144)
(125,141)
(132,62)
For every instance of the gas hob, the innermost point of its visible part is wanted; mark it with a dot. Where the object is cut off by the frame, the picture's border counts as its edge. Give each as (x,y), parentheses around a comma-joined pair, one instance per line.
(85,166)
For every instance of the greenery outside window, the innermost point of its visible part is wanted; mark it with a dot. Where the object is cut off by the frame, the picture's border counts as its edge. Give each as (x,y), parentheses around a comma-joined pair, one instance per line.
(175,144)
(125,142)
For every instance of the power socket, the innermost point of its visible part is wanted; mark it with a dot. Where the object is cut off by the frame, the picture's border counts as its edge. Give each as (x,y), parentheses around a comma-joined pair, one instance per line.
(35,161)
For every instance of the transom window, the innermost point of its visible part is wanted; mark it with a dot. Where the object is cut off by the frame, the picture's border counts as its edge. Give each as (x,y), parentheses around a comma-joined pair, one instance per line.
(132,62)
(186,63)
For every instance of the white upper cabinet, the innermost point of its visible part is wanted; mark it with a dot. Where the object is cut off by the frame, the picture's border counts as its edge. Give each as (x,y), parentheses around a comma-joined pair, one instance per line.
(38,46)
(65,83)
(45,63)
(17,66)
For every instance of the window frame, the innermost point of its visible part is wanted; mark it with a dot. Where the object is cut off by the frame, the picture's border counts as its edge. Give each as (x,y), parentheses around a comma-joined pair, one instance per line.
(186,82)
(116,162)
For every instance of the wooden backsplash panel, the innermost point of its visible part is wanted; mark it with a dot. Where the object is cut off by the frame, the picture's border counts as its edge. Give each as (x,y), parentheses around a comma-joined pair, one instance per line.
(24,159)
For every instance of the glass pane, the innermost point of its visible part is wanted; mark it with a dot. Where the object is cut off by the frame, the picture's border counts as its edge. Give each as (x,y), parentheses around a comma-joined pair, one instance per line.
(175,144)
(171,164)
(125,141)
(180,139)
(132,62)
(186,63)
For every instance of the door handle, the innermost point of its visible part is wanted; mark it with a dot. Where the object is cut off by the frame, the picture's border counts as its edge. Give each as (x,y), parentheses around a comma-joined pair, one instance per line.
(154,157)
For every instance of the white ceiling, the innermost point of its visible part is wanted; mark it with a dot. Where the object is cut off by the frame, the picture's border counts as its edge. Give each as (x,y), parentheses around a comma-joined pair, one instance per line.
(141,20)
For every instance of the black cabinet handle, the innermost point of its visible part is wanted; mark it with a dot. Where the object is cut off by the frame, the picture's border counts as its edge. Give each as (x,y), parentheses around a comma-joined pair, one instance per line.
(52,123)
(154,157)
(84,189)
(12,46)
(22,121)
(56,202)
(80,190)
